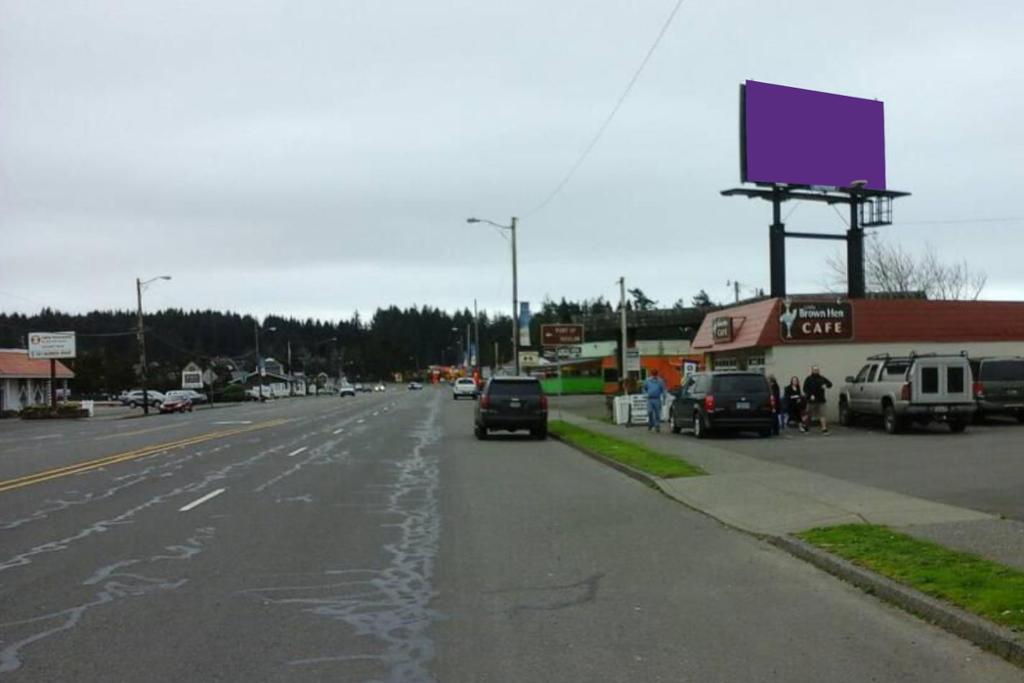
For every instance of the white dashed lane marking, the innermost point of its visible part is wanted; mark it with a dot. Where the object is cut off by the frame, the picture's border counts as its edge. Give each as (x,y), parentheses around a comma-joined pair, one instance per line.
(199,501)
(297,451)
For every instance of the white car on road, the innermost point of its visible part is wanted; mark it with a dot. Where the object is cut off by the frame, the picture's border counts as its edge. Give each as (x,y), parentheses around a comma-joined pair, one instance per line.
(464,387)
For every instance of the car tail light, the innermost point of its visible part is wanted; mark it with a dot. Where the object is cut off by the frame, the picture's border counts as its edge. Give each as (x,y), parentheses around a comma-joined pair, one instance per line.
(709,403)
(979,390)
(905,391)
(485,401)
(543,402)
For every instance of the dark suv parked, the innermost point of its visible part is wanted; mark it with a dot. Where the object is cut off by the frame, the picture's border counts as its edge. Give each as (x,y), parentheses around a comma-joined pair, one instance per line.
(511,403)
(713,401)
(999,386)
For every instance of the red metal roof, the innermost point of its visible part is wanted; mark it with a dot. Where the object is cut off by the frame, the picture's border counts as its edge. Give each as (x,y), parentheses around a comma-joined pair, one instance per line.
(15,364)
(879,321)
(750,325)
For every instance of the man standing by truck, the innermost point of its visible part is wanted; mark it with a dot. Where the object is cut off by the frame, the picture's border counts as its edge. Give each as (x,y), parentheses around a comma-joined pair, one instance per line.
(814,391)
(654,389)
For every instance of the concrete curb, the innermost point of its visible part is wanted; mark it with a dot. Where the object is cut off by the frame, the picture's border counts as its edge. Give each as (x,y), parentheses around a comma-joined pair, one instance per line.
(983,633)
(642,477)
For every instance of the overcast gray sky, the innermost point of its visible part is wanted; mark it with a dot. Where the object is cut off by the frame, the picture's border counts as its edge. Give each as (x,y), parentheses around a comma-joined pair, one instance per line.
(314,158)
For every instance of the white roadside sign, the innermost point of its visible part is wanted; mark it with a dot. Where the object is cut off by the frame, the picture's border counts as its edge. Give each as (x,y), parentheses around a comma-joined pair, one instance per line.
(51,345)
(632,360)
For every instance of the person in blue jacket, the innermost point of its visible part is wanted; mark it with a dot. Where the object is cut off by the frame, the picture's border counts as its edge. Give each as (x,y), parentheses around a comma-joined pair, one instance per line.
(654,389)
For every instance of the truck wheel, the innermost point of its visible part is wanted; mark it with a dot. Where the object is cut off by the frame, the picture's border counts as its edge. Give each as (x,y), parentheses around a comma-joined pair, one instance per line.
(539,434)
(699,430)
(675,427)
(480,432)
(891,421)
(1020,417)
(845,416)
(957,426)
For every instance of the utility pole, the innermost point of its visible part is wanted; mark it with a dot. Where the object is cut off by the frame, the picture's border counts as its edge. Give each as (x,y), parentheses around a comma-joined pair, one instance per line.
(469,349)
(476,333)
(497,363)
(291,381)
(141,335)
(622,313)
(515,299)
(259,362)
(735,289)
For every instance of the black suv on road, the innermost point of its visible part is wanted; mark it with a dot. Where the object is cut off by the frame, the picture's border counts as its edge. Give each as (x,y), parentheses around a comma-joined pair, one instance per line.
(511,403)
(713,401)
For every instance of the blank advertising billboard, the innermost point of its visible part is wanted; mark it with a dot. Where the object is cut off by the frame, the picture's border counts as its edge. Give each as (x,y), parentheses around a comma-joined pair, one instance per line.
(805,137)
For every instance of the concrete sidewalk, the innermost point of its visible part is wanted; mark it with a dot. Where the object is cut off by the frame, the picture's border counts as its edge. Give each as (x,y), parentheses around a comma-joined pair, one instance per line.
(772,499)
(765,498)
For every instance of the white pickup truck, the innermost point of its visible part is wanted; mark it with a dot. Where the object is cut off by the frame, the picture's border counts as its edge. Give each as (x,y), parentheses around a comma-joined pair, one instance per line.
(919,388)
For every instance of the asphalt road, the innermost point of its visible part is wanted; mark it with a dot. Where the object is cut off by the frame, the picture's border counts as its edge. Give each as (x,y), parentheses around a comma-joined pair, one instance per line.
(373,539)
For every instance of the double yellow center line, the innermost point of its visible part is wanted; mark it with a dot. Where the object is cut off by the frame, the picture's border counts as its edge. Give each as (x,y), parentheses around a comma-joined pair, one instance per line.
(80,467)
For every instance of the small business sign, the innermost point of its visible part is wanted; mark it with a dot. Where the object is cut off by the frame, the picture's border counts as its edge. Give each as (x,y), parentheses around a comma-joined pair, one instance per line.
(192,377)
(632,360)
(721,329)
(51,345)
(528,359)
(810,321)
(561,335)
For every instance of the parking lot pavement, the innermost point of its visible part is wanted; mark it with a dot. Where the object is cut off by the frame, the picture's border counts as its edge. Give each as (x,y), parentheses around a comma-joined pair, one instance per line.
(982,469)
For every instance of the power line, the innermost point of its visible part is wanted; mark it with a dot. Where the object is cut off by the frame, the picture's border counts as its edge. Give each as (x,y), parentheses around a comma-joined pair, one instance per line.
(953,221)
(611,115)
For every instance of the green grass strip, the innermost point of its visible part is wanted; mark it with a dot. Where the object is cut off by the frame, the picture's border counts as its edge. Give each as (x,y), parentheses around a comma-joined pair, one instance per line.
(986,588)
(626,452)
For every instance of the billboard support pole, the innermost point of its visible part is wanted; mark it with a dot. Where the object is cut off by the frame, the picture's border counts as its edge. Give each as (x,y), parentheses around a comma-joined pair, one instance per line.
(855,284)
(777,246)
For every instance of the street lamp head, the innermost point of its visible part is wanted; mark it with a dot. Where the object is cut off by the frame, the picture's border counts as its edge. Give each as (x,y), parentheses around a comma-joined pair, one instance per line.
(472,220)
(164,277)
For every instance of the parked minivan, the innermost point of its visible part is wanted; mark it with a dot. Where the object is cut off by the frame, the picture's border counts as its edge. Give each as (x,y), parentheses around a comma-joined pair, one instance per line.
(999,386)
(725,400)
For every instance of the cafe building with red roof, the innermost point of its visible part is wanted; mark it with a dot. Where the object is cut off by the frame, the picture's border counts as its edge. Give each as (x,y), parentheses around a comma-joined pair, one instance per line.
(25,381)
(785,337)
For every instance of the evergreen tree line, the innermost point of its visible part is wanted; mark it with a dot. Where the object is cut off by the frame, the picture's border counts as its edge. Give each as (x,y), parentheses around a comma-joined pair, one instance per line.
(393,339)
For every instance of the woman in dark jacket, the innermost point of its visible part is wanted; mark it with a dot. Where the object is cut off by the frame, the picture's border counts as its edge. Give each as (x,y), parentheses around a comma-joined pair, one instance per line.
(780,419)
(794,401)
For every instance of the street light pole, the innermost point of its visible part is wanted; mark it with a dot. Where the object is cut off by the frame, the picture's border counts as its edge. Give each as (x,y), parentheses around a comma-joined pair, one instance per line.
(141,336)
(476,334)
(515,284)
(515,299)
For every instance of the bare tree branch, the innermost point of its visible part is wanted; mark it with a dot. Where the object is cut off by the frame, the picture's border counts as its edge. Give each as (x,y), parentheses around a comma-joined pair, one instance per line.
(888,268)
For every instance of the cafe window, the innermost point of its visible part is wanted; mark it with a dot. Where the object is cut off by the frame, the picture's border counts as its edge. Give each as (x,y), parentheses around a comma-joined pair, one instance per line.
(726,364)
(756,364)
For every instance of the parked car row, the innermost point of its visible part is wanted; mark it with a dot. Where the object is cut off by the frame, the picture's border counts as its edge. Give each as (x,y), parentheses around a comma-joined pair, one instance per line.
(932,387)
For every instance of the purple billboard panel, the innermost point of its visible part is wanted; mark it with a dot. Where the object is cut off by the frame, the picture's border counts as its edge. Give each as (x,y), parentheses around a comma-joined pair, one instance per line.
(805,137)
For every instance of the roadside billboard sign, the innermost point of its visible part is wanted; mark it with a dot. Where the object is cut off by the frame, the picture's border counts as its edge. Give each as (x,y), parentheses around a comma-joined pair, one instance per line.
(806,137)
(43,345)
(561,334)
(632,360)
